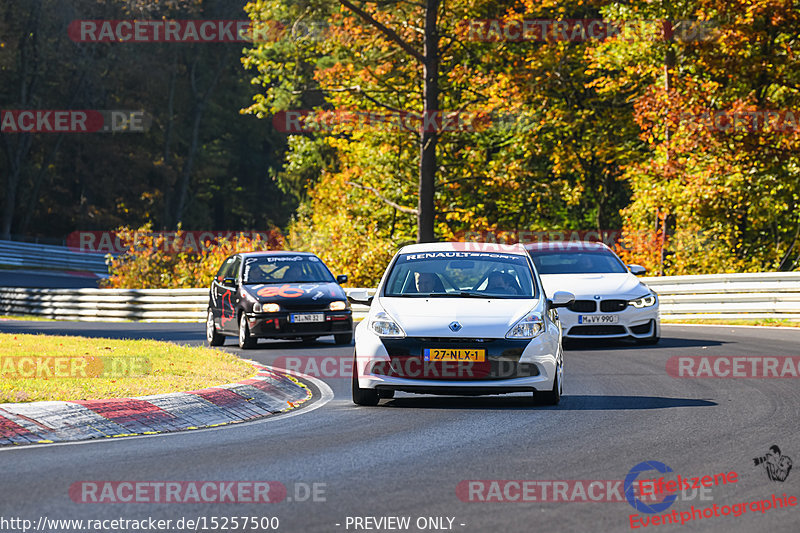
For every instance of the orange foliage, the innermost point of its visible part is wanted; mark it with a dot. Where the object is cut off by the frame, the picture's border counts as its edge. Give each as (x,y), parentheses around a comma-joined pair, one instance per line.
(152,263)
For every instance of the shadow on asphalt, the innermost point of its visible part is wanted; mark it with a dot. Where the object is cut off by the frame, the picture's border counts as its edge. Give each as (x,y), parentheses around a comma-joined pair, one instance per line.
(188,332)
(665,342)
(577,402)
(110,330)
(276,344)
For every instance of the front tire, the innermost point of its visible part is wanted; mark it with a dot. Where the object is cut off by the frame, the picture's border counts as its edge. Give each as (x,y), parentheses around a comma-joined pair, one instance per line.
(363,396)
(212,336)
(245,340)
(551,397)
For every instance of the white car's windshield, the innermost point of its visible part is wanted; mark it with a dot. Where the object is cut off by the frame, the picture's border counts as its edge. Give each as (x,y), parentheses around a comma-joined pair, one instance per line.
(461,274)
(582,262)
(285,269)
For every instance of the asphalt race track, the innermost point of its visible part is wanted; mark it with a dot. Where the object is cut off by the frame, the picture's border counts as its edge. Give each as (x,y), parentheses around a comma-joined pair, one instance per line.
(407,457)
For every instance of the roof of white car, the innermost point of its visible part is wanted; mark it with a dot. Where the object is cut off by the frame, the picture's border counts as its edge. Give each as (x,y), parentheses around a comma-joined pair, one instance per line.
(491,247)
(567,246)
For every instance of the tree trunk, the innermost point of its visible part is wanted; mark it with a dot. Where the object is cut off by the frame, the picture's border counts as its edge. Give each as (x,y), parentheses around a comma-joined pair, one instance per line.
(29,78)
(200,103)
(188,165)
(426,214)
(15,157)
(30,210)
(166,221)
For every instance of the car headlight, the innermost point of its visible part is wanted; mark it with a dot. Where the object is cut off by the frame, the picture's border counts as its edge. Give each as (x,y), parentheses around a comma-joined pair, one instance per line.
(258,307)
(338,306)
(527,327)
(647,300)
(384,326)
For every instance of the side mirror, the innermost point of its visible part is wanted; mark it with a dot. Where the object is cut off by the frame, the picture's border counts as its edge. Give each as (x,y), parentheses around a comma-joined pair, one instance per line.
(637,270)
(359,296)
(229,282)
(341,278)
(560,299)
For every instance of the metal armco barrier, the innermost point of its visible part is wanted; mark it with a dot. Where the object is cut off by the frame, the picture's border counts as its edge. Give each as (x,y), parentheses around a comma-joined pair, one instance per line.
(757,295)
(43,256)
(107,305)
(763,295)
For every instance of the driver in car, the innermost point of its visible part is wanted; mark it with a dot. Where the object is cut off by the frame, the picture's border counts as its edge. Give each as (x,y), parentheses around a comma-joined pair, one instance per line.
(500,283)
(425,281)
(257,275)
(294,274)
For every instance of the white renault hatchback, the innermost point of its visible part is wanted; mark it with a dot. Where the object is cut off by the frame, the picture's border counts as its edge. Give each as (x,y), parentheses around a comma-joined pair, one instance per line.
(460,319)
(610,302)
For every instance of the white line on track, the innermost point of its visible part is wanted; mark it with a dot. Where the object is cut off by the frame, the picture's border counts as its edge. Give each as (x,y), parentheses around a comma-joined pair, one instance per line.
(784,328)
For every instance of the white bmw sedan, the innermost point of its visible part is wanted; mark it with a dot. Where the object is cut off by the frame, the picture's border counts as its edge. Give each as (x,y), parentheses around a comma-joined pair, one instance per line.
(459,319)
(610,302)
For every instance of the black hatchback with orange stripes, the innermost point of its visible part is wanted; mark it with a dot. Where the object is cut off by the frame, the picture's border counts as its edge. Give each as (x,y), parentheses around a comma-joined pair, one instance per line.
(279,295)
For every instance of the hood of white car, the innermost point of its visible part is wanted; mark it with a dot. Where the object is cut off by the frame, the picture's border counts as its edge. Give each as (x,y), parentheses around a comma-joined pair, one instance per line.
(478,317)
(587,286)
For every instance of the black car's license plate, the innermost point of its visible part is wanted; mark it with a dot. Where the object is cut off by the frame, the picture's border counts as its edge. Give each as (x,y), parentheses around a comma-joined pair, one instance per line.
(297,318)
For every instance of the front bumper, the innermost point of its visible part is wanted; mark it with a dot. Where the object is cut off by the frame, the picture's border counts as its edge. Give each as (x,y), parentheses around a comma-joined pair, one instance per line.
(631,323)
(510,365)
(277,325)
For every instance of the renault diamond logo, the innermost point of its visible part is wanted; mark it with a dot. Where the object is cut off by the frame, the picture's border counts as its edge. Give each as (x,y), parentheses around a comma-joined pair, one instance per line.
(455,326)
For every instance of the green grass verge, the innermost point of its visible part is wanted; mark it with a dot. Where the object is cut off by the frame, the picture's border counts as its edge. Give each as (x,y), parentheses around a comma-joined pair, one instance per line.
(46,367)
(738,322)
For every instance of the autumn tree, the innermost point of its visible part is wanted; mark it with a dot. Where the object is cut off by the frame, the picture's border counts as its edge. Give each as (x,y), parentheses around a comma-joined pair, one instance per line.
(723,183)
(403,38)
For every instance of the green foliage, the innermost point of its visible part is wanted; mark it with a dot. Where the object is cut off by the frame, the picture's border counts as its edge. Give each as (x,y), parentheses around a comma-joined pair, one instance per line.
(729,197)
(590,135)
(600,134)
(346,235)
